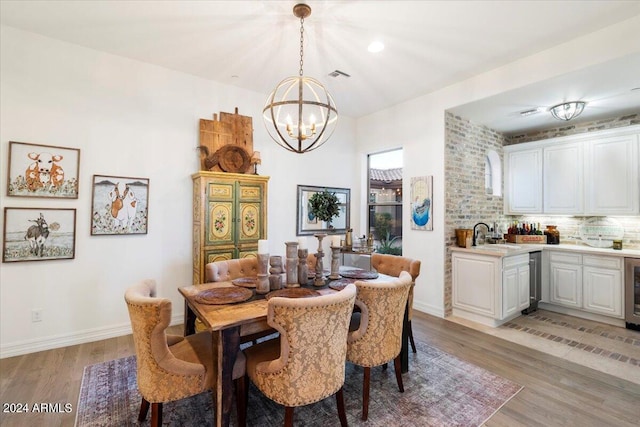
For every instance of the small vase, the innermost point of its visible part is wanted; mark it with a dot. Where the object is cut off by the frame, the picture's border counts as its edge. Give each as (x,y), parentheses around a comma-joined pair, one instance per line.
(553,235)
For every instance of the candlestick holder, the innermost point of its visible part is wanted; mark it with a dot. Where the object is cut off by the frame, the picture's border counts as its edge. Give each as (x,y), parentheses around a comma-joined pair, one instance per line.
(319,280)
(335,263)
(276,270)
(303,270)
(292,265)
(262,286)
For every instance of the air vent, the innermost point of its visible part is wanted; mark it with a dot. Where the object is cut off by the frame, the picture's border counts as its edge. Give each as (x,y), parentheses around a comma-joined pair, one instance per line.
(529,112)
(338,73)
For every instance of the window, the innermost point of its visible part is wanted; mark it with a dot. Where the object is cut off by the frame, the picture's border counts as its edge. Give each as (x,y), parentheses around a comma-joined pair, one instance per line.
(488,176)
(385,201)
(492,174)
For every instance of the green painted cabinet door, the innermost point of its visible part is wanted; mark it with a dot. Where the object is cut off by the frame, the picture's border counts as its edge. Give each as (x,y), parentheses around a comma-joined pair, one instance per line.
(229,217)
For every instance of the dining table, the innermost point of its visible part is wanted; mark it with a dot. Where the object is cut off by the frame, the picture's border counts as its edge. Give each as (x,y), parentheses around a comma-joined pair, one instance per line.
(233,323)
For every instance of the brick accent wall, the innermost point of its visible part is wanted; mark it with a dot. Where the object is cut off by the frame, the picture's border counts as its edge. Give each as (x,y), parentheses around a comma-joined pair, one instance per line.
(466,145)
(569,128)
(466,202)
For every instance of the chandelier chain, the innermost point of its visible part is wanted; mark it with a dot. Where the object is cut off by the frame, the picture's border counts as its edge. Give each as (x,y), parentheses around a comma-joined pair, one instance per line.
(301,44)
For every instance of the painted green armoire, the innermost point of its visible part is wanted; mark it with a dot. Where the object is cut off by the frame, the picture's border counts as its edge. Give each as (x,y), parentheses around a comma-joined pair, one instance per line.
(229,217)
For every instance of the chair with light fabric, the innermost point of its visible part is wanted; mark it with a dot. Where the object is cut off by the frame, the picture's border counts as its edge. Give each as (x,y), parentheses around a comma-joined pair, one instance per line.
(307,363)
(393,265)
(170,367)
(375,336)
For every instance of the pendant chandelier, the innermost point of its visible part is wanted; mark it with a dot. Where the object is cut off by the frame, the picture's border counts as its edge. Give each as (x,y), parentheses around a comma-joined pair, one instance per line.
(300,114)
(567,110)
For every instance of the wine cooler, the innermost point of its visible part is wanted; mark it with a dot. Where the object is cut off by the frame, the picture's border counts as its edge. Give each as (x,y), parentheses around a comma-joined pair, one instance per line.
(632,292)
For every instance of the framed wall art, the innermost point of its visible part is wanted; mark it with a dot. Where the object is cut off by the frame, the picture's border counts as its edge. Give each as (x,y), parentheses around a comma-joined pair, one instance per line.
(119,205)
(308,224)
(42,171)
(421,206)
(38,234)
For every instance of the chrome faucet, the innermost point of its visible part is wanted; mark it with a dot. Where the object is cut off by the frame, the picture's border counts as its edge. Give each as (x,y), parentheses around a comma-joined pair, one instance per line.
(475,235)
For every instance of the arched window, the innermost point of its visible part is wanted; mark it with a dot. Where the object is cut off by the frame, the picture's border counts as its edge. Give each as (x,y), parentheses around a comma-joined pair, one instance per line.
(492,174)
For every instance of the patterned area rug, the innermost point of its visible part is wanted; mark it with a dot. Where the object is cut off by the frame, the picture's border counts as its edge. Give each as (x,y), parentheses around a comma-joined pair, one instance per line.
(440,390)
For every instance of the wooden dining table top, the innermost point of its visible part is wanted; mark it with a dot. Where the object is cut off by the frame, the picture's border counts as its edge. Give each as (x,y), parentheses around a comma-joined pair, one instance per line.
(217,317)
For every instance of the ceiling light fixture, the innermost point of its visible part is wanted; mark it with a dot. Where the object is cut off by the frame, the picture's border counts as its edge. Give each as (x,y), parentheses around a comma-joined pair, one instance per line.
(375,47)
(300,114)
(568,110)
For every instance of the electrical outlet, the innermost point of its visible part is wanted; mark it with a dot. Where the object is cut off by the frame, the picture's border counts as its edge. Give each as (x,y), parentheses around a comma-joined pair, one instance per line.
(36,315)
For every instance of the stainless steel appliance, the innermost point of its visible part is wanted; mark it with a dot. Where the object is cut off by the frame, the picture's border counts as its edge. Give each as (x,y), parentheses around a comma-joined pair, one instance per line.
(632,293)
(535,281)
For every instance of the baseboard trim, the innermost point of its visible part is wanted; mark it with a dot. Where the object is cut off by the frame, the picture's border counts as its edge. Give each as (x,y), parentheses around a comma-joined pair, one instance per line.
(428,309)
(64,340)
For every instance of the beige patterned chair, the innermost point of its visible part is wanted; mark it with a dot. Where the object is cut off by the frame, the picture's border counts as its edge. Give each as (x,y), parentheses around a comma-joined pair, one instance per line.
(227,270)
(392,265)
(170,367)
(307,363)
(376,331)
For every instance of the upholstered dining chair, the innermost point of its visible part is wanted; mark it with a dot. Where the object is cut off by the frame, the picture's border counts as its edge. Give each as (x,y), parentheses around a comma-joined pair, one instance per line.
(170,367)
(392,265)
(307,363)
(375,336)
(226,270)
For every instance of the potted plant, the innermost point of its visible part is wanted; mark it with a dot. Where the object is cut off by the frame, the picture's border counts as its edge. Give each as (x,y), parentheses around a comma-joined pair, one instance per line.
(383,231)
(324,206)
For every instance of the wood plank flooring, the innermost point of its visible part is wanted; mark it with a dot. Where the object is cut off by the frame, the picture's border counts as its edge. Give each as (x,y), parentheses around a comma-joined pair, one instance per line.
(556,392)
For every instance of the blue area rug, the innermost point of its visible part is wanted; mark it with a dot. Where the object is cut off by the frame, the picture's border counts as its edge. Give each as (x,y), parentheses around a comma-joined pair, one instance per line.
(440,390)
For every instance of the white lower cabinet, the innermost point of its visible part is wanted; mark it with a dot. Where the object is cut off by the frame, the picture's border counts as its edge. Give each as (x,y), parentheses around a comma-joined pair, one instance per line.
(565,281)
(586,282)
(603,287)
(515,284)
(489,289)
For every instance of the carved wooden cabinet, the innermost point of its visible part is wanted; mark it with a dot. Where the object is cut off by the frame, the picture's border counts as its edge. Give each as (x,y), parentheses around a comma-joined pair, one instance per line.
(229,217)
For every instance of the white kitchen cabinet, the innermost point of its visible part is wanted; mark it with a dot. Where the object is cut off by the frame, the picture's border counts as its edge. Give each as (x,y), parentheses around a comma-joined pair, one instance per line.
(563,179)
(586,282)
(603,285)
(565,284)
(489,289)
(515,285)
(523,182)
(474,280)
(594,173)
(612,176)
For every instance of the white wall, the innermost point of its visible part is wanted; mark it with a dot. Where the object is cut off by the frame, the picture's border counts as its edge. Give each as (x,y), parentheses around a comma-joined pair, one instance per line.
(418,126)
(128,119)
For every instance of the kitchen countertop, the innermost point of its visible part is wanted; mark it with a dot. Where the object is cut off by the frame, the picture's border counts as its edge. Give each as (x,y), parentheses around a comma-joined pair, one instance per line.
(509,249)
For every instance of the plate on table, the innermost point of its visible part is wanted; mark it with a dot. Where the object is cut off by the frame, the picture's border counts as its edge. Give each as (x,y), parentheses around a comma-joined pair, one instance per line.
(340,284)
(293,293)
(358,273)
(223,295)
(245,282)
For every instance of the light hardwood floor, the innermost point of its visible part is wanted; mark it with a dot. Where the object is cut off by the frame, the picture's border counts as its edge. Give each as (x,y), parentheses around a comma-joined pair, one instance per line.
(556,392)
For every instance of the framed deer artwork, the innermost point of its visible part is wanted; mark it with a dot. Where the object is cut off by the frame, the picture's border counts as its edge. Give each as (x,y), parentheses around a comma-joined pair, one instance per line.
(43,171)
(119,205)
(38,234)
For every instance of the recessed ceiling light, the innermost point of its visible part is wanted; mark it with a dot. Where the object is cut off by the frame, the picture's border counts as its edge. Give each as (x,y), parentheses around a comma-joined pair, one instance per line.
(376,47)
